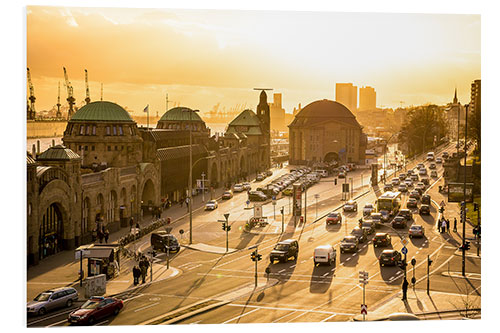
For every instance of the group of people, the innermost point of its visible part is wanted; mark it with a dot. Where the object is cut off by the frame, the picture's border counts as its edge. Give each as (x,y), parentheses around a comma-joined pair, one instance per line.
(444,225)
(102,235)
(141,270)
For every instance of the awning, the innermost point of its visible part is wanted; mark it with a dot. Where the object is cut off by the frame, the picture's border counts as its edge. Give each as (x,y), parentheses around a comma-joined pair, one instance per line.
(100,252)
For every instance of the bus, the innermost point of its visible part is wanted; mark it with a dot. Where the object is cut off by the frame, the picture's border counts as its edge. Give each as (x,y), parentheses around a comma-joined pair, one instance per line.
(390,202)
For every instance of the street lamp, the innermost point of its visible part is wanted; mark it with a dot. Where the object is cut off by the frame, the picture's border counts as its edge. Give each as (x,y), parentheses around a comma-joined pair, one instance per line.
(465,186)
(190,195)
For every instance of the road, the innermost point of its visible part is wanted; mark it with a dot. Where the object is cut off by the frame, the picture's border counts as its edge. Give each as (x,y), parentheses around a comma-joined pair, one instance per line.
(301,292)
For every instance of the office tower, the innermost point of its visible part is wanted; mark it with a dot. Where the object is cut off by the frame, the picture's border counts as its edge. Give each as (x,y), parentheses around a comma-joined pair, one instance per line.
(367,98)
(347,94)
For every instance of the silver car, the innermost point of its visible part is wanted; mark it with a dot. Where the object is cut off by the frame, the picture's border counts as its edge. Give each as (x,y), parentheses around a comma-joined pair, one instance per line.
(52,299)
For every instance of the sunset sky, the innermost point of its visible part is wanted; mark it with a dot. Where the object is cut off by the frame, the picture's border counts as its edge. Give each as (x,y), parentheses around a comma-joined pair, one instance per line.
(203,57)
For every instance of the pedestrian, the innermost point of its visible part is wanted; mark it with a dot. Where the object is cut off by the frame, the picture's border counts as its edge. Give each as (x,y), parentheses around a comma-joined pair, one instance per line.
(447,225)
(443,226)
(106,235)
(136,272)
(405,289)
(131,222)
(182,201)
(455,224)
(99,235)
(187,204)
(144,269)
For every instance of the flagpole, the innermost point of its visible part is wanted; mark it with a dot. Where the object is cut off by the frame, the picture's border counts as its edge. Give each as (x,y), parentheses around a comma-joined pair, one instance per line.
(148,117)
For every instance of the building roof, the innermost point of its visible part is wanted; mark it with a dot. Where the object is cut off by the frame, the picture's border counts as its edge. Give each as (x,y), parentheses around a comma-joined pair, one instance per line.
(180,114)
(170,153)
(102,111)
(246,118)
(29,159)
(58,153)
(322,111)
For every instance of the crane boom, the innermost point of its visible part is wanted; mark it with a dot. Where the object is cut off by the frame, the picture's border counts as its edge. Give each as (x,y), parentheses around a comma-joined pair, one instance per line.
(70,99)
(32,98)
(87,91)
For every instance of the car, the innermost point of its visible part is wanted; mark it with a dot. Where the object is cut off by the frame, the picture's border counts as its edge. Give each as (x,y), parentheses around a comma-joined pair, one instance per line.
(403,188)
(211,205)
(349,244)
(322,173)
(420,187)
(341,174)
(334,218)
(52,299)
(163,241)
(424,180)
(415,194)
(376,218)
(351,206)
(399,222)
(395,181)
(439,160)
(420,166)
(402,176)
(247,186)
(387,187)
(256,196)
(422,171)
(406,213)
(260,177)
(389,258)
(285,250)
(360,234)
(238,188)
(288,191)
(325,254)
(385,215)
(269,173)
(424,210)
(445,154)
(414,178)
(269,190)
(432,166)
(416,231)
(426,199)
(94,309)
(411,203)
(410,172)
(434,174)
(227,195)
(408,182)
(368,226)
(368,209)
(381,239)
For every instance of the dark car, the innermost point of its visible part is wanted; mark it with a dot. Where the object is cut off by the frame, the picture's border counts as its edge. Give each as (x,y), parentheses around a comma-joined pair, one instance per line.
(399,222)
(256,196)
(412,203)
(269,173)
(349,244)
(360,234)
(161,240)
(426,199)
(425,210)
(406,213)
(334,218)
(285,250)
(432,166)
(94,309)
(387,187)
(389,258)
(260,177)
(368,226)
(425,181)
(381,239)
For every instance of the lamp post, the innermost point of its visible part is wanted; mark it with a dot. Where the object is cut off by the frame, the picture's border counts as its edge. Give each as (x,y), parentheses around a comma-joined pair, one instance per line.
(465,186)
(190,194)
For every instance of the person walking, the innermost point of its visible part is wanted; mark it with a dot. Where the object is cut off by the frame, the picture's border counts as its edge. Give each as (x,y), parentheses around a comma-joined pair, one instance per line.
(443,226)
(447,225)
(106,235)
(131,222)
(455,224)
(405,289)
(187,204)
(182,201)
(136,272)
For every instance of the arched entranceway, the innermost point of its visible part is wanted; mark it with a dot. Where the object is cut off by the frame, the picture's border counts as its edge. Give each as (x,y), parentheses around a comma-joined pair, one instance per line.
(148,197)
(331,157)
(112,207)
(51,231)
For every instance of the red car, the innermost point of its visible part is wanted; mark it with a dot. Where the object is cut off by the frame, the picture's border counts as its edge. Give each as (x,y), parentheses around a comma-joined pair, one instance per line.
(94,309)
(334,218)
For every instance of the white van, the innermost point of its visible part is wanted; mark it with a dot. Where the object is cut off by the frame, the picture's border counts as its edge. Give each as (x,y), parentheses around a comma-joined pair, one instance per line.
(325,254)
(322,173)
(430,156)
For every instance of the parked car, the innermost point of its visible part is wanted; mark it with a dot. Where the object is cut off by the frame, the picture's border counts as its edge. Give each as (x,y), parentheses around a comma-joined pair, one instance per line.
(415,194)
(211,205)
(260,177)
(406,213)
(360,233)
(227,195)
(399,222)
(416,231)
(238,188)
(426,199)
(325,254)
(351,206)
(163,241)
(411,203)
(389,258)
(94,309)
(368,209)
(349,244)
(387,187)
(381,239)
(425,210)
(256,196)
(434,174)
(403,187)
(395,181)
(285,250)
(334,218)
(269,173)
(52,299)
(368,226)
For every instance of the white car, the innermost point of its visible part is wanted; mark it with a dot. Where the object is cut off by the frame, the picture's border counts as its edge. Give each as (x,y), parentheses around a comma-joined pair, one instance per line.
(351,206)
(422,171)
(325,254)
(368,209)
(395,181)
(416,231)
(247,186)
(211,205)
(238,188)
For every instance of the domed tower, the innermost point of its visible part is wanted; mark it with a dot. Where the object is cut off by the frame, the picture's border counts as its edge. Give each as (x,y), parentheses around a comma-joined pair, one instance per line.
(104,135)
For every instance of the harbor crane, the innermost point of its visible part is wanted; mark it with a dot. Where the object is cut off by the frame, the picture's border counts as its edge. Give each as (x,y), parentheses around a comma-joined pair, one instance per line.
(70,99)
(58,114)
(87,91)
(31,110)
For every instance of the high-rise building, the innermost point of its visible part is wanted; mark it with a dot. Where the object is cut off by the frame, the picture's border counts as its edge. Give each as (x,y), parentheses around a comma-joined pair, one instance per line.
(367,98)
(277,114)
(347,94)
(475,96)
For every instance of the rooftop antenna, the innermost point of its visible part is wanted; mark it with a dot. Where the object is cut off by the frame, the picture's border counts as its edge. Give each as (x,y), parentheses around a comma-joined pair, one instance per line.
(101,91)
(58,114)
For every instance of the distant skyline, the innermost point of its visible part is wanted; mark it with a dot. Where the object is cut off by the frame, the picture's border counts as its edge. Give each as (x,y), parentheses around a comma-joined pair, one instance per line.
(203,57)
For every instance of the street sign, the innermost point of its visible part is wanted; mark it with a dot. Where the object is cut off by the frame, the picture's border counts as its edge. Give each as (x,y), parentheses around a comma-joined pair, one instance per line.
(181,231)
(274,202)
(316,196)
(442,204)
(274,197)
(404,250)
(168,230)
(364,309)
(226,215)
(404,241)
(248,202)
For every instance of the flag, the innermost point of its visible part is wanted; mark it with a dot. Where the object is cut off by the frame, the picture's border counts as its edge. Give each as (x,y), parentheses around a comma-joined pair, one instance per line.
(146,109)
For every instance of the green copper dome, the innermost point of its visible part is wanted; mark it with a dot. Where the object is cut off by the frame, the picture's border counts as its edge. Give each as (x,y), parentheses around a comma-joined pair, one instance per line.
(102,111)
(180,114)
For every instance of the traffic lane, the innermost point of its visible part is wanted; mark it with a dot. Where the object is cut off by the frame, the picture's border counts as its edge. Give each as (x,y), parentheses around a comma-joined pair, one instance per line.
(52,316)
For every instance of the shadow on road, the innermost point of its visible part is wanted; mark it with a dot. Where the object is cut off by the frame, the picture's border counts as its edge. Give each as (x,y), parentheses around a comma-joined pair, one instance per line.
(282,271)
(321,278)
(348,259)
(388,272)
(333,227)
(420,242)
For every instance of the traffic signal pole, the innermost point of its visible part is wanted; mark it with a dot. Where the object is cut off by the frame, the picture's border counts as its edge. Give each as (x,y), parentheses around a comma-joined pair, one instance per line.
(465,183)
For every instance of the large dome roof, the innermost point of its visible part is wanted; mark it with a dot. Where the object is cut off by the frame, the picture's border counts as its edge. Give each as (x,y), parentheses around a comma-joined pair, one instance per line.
(180,114)
(102,111)
(324,110)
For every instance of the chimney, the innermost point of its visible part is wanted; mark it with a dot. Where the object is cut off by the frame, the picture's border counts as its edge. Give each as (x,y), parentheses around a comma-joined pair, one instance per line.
(33,151)
(38,146)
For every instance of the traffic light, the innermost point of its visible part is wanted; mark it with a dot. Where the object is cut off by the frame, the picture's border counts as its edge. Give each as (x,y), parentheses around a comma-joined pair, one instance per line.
(429,261)
(335,181)
(228,228)
(259,257)
(224,226)
(282,210)
(253,255)
(467,245)
(462,215)
(476,206)
(441,210)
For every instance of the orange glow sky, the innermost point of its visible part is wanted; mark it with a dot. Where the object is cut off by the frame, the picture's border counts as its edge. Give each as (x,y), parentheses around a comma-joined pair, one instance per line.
(202,57)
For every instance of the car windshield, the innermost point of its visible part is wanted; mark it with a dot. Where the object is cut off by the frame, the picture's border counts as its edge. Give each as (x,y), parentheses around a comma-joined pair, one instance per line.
(356,231)
(281,247)
(399,218)
(349,240)
(367,224)
(333,215)
(415,227)
(210,202)
(387,254)
(90,304)
(43,297)
(368,206)
(350,203)
(380,236)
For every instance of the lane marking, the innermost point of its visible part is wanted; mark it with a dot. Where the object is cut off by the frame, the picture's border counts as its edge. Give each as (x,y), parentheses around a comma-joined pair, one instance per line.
(128,299)
(288,309)
(101,323)
(237,317)
(281,271)
(275,321)
(147,306)
(57,323)
(326,274)
(328,318)
(49,317)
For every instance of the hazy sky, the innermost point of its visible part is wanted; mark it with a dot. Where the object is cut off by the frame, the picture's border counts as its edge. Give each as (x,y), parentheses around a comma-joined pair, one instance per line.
(202,57)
